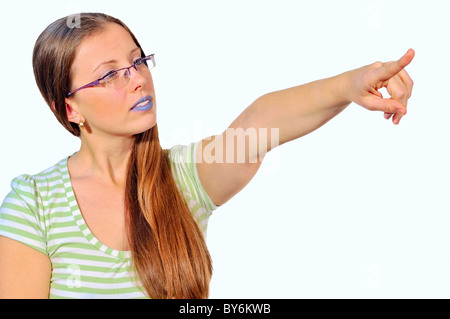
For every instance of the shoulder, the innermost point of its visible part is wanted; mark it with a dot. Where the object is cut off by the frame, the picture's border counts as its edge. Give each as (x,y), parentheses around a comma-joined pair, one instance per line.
(36,192)
(25,211)
(184,170)
(182,153)
(33,184)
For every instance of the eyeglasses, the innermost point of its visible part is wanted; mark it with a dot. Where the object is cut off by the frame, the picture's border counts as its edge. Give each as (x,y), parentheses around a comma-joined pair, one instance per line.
(114,79)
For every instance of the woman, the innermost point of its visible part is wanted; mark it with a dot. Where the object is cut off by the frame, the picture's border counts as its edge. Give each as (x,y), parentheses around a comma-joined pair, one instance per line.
(121,217)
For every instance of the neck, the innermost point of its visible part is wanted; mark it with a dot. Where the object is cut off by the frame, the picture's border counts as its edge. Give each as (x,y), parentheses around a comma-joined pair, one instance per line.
(105,159)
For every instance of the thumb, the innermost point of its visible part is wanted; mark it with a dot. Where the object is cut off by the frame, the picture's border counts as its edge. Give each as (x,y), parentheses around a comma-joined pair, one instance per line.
(391,106)
(390,69)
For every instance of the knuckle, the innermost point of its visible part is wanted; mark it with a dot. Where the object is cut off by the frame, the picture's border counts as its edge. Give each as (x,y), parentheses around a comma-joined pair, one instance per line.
(377,64)
(401,94)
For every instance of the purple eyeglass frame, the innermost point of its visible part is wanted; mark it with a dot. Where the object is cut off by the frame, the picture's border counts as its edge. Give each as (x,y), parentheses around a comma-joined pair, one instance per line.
(97,82)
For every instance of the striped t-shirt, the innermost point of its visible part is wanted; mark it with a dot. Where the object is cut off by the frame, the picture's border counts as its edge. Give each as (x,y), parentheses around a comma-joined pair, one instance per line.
(41,211)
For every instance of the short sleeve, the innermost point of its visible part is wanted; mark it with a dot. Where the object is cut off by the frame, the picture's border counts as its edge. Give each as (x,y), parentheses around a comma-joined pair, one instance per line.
(184,169)
(19,214)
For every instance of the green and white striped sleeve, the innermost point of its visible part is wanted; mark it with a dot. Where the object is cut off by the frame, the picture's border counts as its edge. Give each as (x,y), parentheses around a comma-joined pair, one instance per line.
(20,217)
(184,169)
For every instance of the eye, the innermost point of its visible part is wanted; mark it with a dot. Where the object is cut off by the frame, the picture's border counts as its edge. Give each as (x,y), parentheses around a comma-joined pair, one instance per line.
(138,61)
(110,75)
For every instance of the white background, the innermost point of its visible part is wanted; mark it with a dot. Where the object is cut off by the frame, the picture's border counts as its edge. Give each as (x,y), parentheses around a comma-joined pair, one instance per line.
(356,209)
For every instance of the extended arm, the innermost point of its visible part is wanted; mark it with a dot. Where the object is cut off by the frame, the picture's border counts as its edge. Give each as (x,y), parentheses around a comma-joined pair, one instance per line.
(292,113)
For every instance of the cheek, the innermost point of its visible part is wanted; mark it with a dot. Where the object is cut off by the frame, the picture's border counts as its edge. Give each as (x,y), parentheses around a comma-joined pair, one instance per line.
(106,107)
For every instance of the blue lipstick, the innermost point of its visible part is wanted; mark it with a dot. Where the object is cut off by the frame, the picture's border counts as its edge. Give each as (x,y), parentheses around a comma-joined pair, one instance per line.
(143,104)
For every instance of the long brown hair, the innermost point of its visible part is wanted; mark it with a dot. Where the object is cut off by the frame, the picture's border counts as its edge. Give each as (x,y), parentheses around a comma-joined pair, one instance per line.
(168,249)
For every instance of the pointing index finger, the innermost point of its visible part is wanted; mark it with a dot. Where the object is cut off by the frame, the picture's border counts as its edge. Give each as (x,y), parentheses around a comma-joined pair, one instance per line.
(392,68)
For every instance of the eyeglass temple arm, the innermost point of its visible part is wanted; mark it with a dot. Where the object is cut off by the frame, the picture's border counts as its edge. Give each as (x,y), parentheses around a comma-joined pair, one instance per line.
(95,83)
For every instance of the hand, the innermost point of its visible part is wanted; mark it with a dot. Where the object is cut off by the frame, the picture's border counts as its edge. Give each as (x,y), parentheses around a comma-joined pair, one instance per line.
(366,81)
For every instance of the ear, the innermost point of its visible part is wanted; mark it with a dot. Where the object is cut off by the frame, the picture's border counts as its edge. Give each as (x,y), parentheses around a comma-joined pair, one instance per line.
(72,114)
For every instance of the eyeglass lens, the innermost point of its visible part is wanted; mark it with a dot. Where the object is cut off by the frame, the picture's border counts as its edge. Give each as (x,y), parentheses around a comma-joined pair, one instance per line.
(119,81)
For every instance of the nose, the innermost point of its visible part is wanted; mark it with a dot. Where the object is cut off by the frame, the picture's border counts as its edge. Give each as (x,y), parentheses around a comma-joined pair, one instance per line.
(136,79)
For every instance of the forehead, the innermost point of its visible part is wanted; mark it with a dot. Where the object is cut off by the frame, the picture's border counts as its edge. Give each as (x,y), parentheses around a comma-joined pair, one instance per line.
(113,42)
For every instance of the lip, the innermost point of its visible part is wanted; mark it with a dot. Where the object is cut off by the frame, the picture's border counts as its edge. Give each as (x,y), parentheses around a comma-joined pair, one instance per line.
(145,106)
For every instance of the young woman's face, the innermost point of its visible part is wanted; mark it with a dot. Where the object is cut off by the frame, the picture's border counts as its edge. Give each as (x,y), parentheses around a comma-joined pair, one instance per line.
(108,110)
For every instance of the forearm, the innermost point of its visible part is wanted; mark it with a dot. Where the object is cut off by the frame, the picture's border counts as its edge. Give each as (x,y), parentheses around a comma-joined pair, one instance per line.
(296,111)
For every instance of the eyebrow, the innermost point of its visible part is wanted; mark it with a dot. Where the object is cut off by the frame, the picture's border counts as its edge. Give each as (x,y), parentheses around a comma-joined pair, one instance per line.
(114,61)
